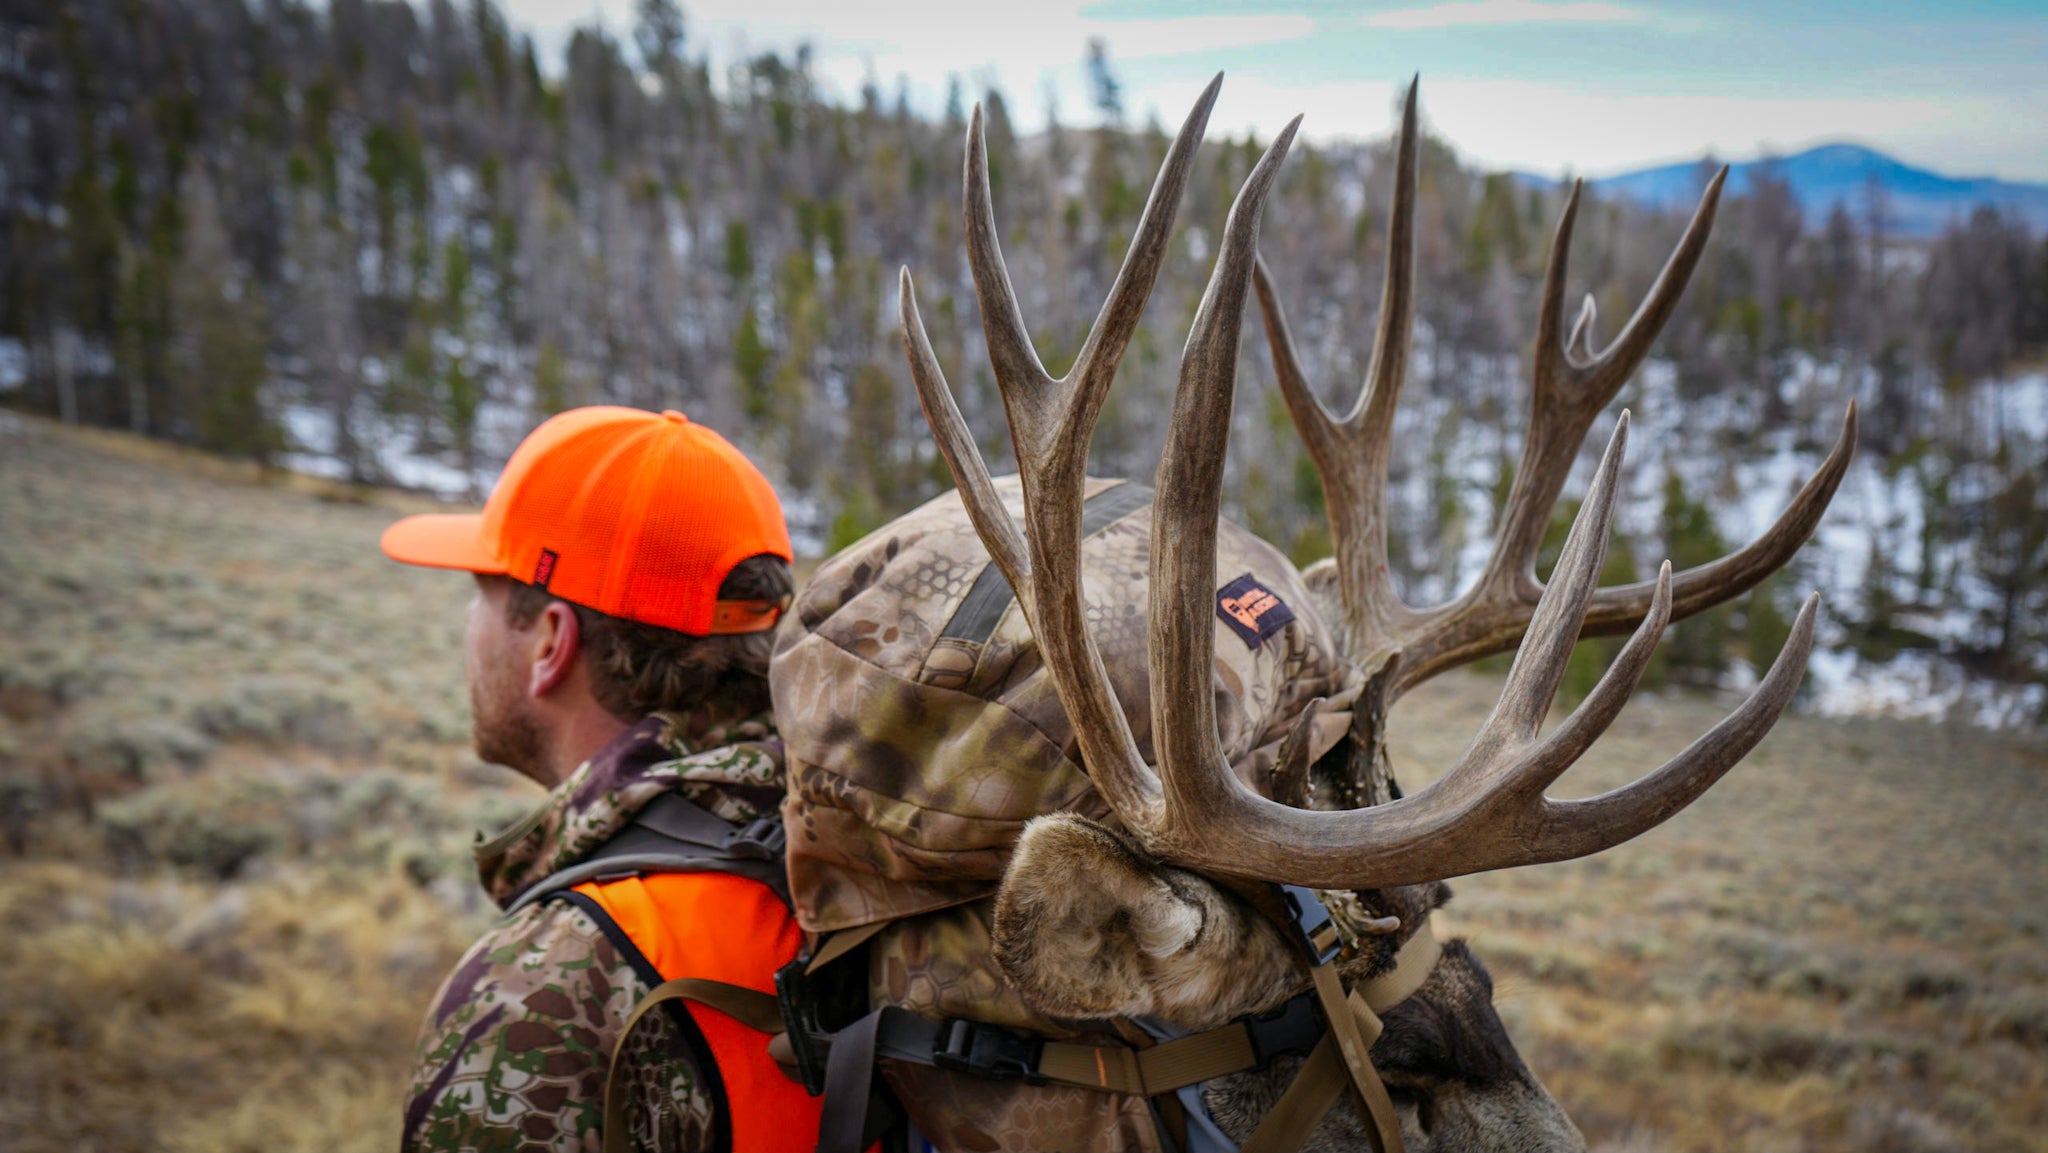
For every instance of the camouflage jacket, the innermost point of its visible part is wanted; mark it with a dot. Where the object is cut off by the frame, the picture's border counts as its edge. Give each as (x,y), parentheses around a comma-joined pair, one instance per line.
(514,1050)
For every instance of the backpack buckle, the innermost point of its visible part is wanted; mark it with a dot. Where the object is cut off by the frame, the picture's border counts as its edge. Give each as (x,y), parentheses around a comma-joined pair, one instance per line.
(761,839)
(1293,1028)
(1315,931)
(990,1052)
(794,995)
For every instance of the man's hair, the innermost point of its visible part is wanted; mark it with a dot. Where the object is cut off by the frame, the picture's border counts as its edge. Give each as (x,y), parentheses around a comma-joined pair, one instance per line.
(637,669)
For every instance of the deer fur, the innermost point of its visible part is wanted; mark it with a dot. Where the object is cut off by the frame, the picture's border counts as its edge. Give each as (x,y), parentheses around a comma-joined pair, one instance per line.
(1088,926)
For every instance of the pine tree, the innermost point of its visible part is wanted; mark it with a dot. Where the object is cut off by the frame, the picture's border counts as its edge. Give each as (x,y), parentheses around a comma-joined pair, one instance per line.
(219,353)
(1695,651)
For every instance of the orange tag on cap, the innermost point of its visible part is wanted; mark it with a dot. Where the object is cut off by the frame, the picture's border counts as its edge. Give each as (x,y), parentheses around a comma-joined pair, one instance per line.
(730,617)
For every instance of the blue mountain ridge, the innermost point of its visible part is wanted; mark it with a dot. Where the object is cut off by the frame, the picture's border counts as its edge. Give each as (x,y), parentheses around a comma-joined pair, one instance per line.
(1919,203)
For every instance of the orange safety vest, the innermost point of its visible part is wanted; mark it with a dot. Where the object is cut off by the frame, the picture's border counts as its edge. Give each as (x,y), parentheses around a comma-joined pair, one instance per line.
(722,927)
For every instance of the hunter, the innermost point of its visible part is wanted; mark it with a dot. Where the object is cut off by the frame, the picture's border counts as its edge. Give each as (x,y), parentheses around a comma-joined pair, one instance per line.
(630,570)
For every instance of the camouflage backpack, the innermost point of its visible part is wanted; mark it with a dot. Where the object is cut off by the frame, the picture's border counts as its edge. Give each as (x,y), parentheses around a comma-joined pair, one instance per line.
(921,732)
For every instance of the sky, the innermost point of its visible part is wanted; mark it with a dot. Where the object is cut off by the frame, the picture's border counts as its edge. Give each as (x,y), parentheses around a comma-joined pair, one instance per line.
(1592,87)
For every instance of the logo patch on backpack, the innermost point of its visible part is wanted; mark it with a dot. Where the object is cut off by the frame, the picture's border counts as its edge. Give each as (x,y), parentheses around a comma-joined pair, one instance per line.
(544,569)
(1252,611)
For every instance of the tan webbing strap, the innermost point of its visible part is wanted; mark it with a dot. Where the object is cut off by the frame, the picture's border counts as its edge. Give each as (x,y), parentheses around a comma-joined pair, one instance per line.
(1163,1068)
(1172,1115)
(1412,967)
(841,943)
(1345,1052)
(1386,1123)
(1356,1027)
(1315,1089)
(750,1007)
(1228,1049)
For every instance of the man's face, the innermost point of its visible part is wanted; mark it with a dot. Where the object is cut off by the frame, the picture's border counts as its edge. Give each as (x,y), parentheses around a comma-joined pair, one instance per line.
(502,724)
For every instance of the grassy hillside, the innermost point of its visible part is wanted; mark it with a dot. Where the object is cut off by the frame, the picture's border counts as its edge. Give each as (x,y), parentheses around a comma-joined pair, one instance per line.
(235,801)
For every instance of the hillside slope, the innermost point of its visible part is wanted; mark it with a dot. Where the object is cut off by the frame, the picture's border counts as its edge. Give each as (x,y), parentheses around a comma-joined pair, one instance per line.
(237,800)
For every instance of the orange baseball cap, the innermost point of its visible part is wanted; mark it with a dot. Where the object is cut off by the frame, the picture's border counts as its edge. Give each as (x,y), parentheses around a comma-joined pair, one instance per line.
(632,513)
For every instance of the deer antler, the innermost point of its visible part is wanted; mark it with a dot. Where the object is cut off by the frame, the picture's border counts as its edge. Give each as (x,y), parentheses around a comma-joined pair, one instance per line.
(1572,385)
(1488,811)
(1051,422)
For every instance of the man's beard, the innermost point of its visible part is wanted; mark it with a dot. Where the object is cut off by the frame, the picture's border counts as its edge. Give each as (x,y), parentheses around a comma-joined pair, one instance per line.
(503,730)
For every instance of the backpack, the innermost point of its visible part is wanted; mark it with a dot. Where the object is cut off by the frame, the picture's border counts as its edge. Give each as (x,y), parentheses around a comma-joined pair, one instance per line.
(921,732)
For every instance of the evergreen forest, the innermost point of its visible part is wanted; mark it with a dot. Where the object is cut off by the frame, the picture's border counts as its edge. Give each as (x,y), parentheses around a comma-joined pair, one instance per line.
(383,239)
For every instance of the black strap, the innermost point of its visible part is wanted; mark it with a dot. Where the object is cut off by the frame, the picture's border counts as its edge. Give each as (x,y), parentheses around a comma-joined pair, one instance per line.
(982,609)
(994,1052)
(990,1052)
(676,816)
(855,1111)
(670,834)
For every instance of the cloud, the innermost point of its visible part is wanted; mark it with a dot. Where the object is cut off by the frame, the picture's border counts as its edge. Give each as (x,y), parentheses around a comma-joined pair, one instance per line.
(1552,127)
(1180,35)
(1548,127)
(1029,51)
(1471,13)
(925,36)
(1494,118)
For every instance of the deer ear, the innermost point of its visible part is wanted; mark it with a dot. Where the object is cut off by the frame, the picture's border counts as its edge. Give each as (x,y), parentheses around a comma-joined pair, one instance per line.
(1088,925)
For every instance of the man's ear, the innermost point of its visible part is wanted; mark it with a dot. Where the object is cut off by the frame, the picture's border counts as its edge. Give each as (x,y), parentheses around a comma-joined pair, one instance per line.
(558,641)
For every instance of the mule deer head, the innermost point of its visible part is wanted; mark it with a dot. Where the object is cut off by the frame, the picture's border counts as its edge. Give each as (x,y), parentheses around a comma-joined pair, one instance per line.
(1151,918)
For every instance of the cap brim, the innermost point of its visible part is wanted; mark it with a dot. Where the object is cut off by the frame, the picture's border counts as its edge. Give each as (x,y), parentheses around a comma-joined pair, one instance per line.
(442,540)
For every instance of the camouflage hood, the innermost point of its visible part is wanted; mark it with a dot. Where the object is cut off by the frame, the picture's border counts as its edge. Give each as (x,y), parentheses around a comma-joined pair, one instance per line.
(918,748)
(739,778)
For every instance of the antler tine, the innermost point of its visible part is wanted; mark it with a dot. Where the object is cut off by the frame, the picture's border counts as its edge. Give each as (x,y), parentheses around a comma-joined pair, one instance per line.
(1604,703)
(1010,353)
(1569,392)
(1051,422)
(1182,635)
(1703,586)
(963,456)
(1351,454)
(1291,785)
(1577,828)
(1604,375)
(1110,335)
(1579,345)
(1539,665)
(1052,426)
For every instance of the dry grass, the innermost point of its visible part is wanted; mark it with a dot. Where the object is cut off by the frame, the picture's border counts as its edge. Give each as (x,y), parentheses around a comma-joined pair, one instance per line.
(236,797)
(234,802)
(168,1013)
(1839,947)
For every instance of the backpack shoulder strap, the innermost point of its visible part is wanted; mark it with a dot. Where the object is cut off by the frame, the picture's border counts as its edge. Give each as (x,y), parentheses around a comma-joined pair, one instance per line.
(956,651)
(673,835)
(754,1009)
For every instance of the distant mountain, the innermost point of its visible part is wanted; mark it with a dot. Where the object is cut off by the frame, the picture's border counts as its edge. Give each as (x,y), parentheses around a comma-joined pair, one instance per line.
(1921,203)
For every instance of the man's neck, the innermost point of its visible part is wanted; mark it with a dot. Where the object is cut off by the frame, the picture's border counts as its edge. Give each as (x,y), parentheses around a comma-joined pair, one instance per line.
(575,739)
